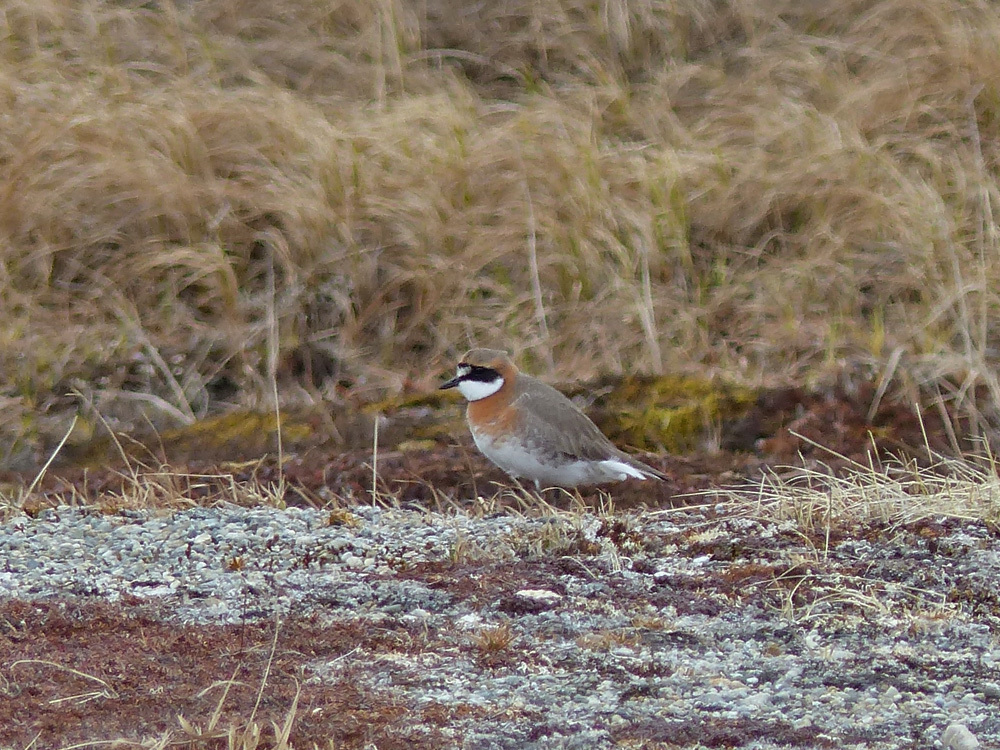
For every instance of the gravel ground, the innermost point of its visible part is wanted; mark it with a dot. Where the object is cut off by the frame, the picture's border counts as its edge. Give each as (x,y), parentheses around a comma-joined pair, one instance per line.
(697,627)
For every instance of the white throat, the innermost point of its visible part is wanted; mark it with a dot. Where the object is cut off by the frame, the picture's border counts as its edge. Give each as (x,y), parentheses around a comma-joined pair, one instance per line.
(474,390)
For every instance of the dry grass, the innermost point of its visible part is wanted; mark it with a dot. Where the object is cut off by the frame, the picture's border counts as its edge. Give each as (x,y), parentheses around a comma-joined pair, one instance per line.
(772,190)
(820,503)
(495,640)
(895,500)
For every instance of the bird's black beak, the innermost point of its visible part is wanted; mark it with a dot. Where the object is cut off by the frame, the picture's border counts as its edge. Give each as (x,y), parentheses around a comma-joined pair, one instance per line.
(450,384)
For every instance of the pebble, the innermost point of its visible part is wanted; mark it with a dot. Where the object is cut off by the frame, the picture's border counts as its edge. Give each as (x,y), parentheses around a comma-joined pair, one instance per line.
(958,737)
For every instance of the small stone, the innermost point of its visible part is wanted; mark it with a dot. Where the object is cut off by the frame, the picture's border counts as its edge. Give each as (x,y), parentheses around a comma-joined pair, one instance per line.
(530,601)
(958,737)
(991,690)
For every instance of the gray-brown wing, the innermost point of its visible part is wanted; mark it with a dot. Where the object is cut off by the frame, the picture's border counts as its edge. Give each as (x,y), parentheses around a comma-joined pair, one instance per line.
(568,431)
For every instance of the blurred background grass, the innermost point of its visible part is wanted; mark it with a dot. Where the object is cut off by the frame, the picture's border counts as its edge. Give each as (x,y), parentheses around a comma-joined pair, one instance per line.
(198,198)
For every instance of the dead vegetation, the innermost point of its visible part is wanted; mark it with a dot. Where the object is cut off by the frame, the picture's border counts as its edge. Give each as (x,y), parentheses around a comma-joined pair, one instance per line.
(776,192)
(897,494)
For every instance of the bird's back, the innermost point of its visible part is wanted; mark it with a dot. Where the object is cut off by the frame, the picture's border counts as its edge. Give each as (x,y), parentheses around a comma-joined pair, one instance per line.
(551,420)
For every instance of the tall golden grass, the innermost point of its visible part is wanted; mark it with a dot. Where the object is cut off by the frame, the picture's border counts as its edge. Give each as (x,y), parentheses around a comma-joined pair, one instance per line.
(774,190)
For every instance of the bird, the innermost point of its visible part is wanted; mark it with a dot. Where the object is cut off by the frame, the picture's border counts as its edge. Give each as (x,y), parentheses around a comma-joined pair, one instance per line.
(532,431)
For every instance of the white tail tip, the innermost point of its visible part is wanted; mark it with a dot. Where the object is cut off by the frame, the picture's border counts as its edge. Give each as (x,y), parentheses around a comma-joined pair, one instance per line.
(622,470)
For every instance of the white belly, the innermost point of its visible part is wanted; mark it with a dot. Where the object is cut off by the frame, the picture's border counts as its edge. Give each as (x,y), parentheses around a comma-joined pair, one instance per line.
(516,460)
